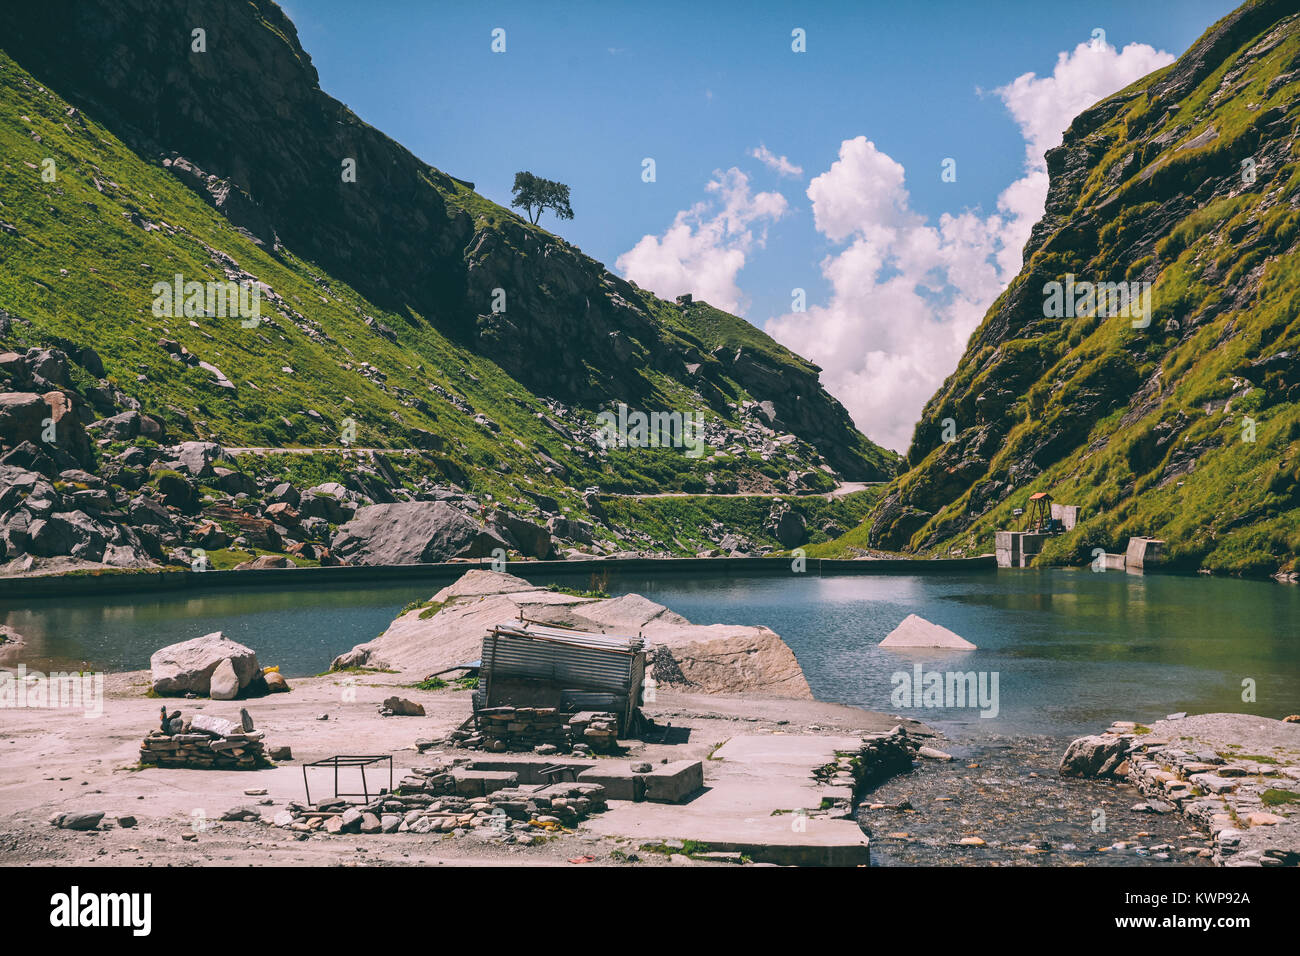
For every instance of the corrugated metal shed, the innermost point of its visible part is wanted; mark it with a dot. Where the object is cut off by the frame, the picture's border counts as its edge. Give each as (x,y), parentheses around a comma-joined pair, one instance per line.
(587,670)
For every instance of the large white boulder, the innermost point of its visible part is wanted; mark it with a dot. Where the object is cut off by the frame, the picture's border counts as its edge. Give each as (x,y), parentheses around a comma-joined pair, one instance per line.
(707,659)
(188,667)
(224,684)
(918,632)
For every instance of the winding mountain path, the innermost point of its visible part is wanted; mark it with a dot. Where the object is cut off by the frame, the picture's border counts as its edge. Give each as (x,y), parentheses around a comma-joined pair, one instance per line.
(839,491)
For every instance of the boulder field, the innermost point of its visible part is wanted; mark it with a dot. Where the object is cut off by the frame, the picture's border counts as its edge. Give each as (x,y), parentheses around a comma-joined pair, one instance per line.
(710,659)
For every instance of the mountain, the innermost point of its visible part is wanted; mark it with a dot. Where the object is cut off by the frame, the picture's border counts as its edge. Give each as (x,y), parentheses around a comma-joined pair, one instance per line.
(397,306)
(1186,428)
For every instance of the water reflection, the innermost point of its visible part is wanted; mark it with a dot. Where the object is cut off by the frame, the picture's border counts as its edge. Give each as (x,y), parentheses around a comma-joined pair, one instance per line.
(1073,649)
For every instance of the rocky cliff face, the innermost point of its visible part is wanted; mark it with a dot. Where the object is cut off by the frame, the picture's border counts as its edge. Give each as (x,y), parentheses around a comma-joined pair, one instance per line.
(1181,423)
(245,125)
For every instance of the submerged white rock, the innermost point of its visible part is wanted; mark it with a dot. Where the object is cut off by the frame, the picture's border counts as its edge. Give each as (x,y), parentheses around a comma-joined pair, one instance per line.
(918,632)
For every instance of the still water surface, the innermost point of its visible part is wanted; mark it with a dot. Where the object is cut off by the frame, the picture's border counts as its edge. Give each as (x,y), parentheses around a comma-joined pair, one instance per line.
(1072,650)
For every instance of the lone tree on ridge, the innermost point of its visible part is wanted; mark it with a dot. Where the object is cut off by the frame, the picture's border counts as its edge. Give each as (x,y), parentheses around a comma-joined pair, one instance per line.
(534,195)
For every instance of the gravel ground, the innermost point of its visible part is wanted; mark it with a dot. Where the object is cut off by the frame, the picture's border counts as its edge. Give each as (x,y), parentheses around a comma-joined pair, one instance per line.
(1005,791)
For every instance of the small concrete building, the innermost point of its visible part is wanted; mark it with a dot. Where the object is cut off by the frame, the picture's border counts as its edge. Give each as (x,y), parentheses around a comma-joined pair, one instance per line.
(1068,515)
(1144,552)
(1017,549)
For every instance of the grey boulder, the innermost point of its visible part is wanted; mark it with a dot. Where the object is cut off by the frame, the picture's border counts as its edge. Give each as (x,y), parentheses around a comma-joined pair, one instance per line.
(1094,756)
(412,532)
(196,457)
(224,683)
(121,427)
(79,821)
(21,417)
(529,539)
(188,667)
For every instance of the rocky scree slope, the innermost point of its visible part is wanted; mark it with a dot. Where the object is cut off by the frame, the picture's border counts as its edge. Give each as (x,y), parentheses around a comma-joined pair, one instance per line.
(1190,180)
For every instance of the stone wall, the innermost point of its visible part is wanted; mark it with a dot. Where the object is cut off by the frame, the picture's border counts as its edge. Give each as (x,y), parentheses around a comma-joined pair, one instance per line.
(544,730)
(1237,776)
(450,799)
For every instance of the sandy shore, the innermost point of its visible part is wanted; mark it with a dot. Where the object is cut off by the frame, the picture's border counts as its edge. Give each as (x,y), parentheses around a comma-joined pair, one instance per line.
(59,761)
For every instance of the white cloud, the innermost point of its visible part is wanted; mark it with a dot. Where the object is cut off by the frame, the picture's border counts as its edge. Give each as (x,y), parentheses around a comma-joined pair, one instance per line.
(780,164)
(907,294)
(706,246)
(1044,107)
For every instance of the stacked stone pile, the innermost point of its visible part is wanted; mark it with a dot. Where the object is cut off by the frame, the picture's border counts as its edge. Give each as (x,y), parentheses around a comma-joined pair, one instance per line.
(542,729)
(884,755)
(204,743)
(446,799)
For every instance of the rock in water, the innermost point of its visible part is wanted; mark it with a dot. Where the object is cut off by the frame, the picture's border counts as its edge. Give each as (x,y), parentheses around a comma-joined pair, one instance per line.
(224,683)
(1094,756)
(189,665)
(918,632)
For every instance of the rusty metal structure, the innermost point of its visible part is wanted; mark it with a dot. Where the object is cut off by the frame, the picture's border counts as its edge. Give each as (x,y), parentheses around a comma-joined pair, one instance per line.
(528,664)
(1038,519)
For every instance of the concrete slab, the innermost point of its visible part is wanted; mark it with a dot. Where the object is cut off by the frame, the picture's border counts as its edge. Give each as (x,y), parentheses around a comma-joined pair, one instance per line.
(753,786)
(479,783)
(619,781)
(1144,552)
(674,782)
(797,750)
(529,769)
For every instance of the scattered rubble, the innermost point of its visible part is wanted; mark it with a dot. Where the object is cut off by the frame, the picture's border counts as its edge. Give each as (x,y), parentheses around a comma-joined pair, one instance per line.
(451,799)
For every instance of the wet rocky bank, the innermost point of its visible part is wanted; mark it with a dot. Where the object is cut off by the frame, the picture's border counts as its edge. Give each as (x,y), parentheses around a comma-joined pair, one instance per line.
(1001,802)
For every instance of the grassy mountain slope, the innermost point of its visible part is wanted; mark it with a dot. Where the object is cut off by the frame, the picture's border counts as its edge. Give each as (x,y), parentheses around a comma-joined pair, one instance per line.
(1149,429)
(227,162)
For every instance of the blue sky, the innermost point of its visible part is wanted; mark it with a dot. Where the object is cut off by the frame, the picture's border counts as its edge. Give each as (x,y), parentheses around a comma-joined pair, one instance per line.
(585,91)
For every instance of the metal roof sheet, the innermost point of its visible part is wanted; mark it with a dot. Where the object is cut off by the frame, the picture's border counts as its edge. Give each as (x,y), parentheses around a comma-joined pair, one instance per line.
(625,643)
